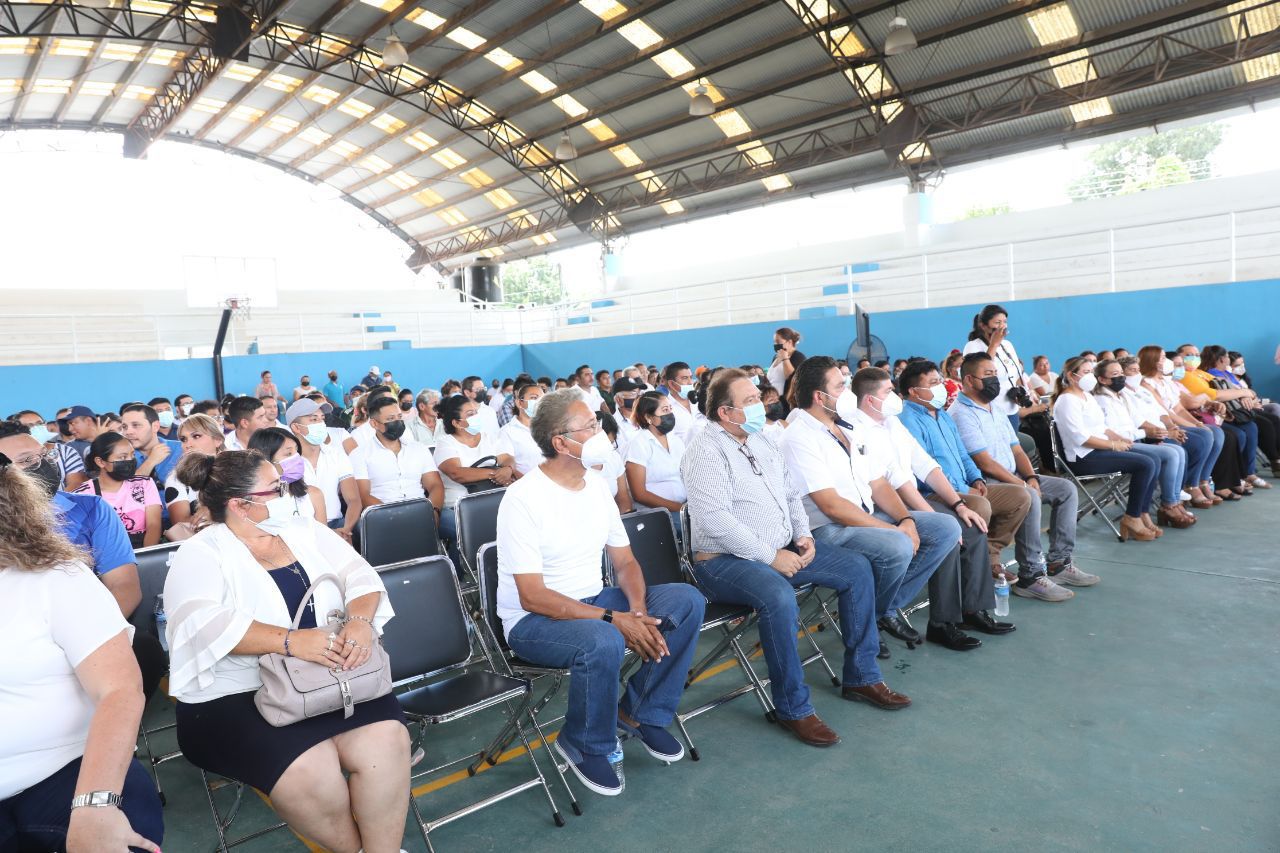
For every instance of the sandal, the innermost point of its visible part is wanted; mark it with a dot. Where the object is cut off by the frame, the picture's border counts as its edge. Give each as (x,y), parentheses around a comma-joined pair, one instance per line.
(1258,482)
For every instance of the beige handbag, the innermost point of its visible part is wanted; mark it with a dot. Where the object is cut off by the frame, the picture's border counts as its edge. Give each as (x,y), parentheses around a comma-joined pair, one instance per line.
(294,689)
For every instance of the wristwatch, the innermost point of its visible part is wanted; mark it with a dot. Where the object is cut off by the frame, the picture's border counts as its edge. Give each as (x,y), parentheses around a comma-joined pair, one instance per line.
(607,615)
(959,503)
(97,800)
(903,520)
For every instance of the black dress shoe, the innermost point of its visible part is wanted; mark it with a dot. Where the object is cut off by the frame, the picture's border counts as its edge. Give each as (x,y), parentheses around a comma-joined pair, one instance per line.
(947,634)
(883,654)
(896,626)
(981,621)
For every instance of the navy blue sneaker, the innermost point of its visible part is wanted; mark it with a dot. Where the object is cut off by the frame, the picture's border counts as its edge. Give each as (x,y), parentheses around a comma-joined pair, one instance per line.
(658,742)
(593,771)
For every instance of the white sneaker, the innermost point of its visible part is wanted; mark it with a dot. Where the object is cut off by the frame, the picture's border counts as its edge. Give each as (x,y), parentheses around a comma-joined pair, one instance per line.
(1072,576)
(1184,495)
(1043,589)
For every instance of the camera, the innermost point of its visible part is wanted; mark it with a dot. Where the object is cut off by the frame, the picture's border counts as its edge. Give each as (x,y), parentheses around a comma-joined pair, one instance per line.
(1017,394)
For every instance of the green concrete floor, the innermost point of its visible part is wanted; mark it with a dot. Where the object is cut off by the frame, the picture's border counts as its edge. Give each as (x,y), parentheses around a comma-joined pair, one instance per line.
(1141,715)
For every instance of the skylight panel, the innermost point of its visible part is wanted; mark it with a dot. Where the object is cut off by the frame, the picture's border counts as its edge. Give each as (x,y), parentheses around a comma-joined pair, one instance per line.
(423,142)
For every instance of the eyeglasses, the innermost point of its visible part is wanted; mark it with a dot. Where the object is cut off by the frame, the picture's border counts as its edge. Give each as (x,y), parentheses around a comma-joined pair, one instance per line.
(31,461)
(755,466)
(594,427)
(278,492)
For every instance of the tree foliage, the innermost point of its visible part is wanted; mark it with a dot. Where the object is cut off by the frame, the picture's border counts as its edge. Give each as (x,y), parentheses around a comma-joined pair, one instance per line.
(981,211)
(1162,159)
(532,281)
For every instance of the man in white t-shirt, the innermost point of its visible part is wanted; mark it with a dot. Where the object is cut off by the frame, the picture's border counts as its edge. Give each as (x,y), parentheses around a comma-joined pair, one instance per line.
(677,379)
(585,379)
(327,466)
(388,469)
(516,438)
(553,525)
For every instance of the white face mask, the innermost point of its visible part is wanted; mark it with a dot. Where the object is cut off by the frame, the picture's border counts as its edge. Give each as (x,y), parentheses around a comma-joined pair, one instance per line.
(316,434)
(1238,370)
(595,450)
(280,514)
(1166,367)
(1088,382)
(531,407)
(846,405)
(890,406)
(1133,381)
(938,396)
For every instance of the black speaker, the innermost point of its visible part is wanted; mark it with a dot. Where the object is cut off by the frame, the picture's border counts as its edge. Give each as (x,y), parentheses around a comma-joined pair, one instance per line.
(585,213)
(898,134)
(231,31)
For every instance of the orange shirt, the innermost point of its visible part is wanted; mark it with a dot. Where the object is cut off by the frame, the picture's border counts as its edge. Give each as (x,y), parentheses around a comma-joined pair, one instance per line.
(1197,382)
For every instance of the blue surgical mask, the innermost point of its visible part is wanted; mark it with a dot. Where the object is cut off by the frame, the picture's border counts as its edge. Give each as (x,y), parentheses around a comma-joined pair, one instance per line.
(939,396)
(755,380)
(316,434)
(472,429)
(531,406)
(1178,373)
(755,418)
(686,390)
(40,434)
(166,419)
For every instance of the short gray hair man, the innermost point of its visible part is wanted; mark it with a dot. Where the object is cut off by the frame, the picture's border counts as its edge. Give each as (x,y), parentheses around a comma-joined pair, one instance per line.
(552,419)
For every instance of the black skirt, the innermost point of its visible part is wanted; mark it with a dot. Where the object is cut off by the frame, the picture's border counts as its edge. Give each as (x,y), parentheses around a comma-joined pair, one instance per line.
(229,737)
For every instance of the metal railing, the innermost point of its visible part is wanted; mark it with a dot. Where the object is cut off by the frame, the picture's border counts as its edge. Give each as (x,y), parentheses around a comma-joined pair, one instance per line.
(1240,244)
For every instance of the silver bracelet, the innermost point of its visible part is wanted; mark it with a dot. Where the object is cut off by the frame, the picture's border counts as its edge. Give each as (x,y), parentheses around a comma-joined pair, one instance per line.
(360,618)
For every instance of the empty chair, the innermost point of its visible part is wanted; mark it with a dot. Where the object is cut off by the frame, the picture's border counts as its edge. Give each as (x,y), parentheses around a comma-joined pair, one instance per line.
(436,642)
(395,532)
(477,520)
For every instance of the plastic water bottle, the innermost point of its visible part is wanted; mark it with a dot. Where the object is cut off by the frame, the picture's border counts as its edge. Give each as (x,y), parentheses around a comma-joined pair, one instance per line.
(1002,597)
(615,761)
(162,622)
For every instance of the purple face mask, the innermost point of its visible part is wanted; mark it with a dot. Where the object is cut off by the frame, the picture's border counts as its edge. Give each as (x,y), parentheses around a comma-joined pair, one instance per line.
(292,469)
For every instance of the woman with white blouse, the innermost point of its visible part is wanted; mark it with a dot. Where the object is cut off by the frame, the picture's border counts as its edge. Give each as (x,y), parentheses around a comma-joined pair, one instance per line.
(231,595)
(1089,447)
(1143,374)
(1127,415)
(70,694)
(463,444)
(653,457)
(989,335)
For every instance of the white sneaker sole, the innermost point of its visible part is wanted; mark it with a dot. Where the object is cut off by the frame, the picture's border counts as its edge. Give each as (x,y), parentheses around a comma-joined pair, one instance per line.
(1030,593)
(1089,581)
(587,783)
(660,756)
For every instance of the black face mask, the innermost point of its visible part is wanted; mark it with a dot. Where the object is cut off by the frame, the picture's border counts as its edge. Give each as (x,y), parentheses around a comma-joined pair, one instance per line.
(393,430)
(1116,384)
(404,407)
(124,470)
(47,475)
(625,403)
(777,347)
(482,396)
(665,424)
(306,383)
(990,389)
(775,412)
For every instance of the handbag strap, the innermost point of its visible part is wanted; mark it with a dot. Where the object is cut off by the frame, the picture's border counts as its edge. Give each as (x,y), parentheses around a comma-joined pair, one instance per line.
(297,617)
(485,462)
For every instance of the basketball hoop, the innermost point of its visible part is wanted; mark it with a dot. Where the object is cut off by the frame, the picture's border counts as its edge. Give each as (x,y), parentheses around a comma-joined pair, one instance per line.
(238,306)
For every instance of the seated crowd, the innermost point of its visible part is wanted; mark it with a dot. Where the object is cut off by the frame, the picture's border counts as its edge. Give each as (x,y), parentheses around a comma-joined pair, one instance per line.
(872,482)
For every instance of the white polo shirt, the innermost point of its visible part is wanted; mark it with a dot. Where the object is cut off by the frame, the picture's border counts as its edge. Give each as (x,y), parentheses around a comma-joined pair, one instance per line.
(592,397)
(546,529)
(332,467)
(627,432)
(449,447)
(516,439)
(393,476)
(816,460)
(661,464)
(365,433)
(889,440)
(688,422)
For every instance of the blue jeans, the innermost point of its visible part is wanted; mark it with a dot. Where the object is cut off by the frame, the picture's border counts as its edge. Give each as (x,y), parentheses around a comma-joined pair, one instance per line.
(36,819)
(899,575)
(1247,439)
(1141,469)
(1202,451)
(592,651)
(1172,462)
(734,580)
(448,530)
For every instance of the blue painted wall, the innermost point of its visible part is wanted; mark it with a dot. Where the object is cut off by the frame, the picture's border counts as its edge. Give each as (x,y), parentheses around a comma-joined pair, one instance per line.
(1241,316)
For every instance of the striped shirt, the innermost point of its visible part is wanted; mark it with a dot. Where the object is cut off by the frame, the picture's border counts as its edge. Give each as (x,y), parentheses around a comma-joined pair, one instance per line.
(741,499)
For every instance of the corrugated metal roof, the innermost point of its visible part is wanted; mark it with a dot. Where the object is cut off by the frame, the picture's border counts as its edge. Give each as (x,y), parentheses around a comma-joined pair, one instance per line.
(379,159)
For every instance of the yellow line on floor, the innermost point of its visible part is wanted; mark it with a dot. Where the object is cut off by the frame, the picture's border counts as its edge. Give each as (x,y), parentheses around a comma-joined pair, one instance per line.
(314,848)
(458,776)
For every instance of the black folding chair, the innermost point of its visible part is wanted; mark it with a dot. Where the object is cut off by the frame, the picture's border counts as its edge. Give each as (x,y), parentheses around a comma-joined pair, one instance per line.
(476,517)
(222,822)
(431,639)
(1110,492)
(653,542)
(153,568)
(396,532)
(502,658)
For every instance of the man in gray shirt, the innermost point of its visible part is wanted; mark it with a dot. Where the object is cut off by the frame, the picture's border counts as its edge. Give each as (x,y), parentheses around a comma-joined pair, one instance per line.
(752,546)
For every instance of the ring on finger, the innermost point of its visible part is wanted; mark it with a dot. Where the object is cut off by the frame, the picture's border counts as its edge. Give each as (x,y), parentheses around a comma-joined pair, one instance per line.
(352,643)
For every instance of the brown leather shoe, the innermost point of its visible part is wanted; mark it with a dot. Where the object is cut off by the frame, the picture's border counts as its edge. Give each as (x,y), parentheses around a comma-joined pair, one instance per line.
(876,694)
(811,730)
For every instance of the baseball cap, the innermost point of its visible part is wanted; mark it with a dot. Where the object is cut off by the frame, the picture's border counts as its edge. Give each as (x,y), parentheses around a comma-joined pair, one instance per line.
(300,409)
(624,384)
(77,412)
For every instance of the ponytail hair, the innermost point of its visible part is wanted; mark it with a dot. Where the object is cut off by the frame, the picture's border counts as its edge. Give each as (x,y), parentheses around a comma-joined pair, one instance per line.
(981,319)
(1061,384)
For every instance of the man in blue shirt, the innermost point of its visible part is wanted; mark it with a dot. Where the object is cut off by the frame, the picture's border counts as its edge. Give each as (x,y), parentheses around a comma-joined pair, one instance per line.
(1002,506)
(91,523)
(157,457)
(991,442)
(333,392)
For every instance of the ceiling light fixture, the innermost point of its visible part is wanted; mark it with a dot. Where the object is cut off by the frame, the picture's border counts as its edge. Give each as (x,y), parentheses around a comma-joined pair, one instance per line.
(900,39)
(701,104)
(394,55)
(566,150)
